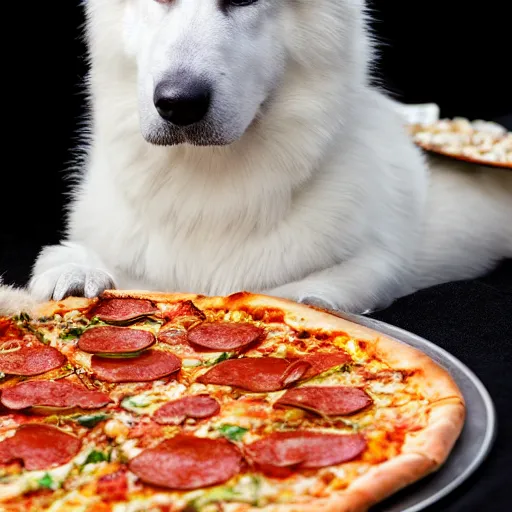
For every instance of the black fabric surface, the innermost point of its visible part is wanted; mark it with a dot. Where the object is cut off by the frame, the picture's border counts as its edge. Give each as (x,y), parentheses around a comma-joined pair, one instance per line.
(427,54)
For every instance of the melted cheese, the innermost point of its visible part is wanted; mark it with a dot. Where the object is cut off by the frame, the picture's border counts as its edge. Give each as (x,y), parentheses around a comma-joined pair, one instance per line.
(147,402)
(73,501)
(129,449)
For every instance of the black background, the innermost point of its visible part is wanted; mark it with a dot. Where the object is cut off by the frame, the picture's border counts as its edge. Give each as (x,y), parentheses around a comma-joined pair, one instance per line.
(446,52)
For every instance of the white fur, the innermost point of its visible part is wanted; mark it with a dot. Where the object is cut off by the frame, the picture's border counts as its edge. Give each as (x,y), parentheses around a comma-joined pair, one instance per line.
(317,193)
(15,300)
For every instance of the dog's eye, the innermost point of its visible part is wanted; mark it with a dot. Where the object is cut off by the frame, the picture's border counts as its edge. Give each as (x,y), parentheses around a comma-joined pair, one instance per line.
(239,3)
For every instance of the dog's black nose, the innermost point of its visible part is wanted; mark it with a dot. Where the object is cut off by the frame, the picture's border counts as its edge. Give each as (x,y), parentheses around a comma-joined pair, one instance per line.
(181,105)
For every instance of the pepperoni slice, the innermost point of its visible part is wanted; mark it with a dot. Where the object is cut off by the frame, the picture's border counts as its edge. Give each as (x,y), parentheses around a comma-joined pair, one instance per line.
(27,359)
(39,447)
(294,372)
(184,310)
(327,400)
(186,462)
(174,337)
(304,449)
(175,412)
(224,335)
(149,366)
(46,393)
(256,374)
(320,363)
(115,340)
(121,311)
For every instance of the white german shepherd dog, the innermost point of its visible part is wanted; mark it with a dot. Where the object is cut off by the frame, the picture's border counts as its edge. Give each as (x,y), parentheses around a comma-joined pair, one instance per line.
(238,145)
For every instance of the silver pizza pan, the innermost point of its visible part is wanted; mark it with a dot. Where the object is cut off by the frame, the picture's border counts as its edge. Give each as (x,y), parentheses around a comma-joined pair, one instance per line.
(475,441)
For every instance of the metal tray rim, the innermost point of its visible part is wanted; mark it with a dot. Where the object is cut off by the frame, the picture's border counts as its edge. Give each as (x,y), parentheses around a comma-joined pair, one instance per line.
(402,335)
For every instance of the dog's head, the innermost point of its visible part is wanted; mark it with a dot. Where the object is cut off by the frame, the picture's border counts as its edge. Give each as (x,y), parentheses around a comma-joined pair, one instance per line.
(204,67)
(207,70)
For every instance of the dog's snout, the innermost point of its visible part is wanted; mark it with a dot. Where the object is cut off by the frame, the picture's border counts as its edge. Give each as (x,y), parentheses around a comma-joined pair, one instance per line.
(182,102)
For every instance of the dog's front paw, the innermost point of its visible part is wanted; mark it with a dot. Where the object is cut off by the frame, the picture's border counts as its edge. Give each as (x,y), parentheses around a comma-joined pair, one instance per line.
(318,302)
(15,300)
(298,292)
(327,297)
(70,279)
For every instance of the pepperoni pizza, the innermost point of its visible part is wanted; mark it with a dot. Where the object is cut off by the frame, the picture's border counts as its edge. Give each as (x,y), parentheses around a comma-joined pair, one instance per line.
(141,401)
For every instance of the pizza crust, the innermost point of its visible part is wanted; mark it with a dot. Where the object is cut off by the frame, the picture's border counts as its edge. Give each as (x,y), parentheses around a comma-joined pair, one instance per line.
(148,295)
(374,486)
(422,453)
(437,439)
(436,383)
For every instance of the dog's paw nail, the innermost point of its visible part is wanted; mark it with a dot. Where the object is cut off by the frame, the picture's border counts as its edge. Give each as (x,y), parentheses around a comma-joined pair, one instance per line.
(97,282)
(69,283)
(317,302)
